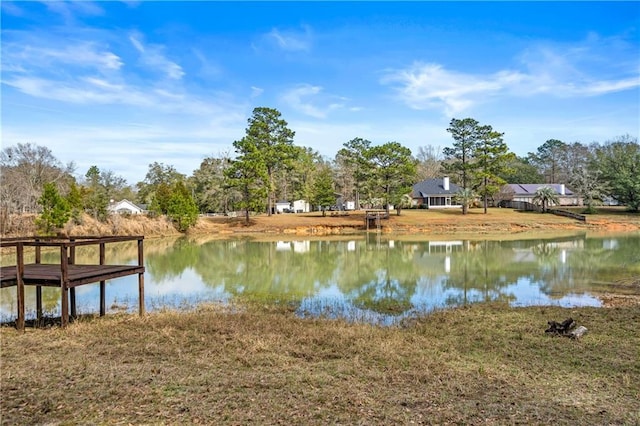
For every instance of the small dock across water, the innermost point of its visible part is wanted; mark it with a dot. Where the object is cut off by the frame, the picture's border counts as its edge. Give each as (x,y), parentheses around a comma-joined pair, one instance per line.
(66,275)
(373,218)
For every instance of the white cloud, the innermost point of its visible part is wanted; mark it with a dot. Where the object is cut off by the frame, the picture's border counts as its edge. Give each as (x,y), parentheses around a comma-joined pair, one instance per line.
(310,100)
(424,86)
(96,91)
(37,54)
(575,71)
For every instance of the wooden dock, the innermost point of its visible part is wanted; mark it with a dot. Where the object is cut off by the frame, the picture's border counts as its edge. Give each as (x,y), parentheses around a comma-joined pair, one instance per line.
(67,275)
(373,218)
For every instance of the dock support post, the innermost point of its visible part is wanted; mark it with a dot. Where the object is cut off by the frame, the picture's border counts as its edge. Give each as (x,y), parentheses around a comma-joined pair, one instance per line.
(38,305)
(102,283)
(64,291)
(72,290)
(72,303)
(38,288)
(20,286)
(141,277)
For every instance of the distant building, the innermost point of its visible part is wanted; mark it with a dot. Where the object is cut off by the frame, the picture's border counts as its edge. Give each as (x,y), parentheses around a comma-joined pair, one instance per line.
(526,191)
(283,207)
(435,193)
(301,206)
(125,207)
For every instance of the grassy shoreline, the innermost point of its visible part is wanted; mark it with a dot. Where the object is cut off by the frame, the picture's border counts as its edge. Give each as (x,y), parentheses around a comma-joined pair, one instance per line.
(410,222)
(262,364)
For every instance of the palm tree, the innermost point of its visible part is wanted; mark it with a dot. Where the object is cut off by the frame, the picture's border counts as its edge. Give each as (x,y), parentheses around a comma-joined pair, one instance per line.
(465,196)
(546,196)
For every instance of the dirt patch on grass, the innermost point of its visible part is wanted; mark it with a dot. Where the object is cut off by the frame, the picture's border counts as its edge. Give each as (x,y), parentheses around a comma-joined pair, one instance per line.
(478,365)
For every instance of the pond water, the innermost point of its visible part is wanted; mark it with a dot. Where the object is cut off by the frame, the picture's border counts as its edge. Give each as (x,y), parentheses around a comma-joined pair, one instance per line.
(372,278)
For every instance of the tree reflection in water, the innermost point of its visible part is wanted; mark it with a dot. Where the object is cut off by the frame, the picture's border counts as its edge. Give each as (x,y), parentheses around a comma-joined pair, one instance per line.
(369,276)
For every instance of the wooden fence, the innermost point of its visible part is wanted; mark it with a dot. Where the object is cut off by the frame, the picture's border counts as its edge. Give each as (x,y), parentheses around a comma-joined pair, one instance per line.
(567,213)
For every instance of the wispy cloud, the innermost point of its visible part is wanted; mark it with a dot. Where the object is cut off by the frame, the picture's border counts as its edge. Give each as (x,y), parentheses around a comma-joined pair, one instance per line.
(23,52)
(424,86)
(11,8)
(207,69)
(572,72)
(290,40)
(152,56)
(83,68)
(310,100)
(70,9)
(256,91)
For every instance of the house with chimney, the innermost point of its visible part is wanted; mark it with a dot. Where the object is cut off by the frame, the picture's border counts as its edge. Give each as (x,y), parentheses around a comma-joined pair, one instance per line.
(524,192)
(438,193)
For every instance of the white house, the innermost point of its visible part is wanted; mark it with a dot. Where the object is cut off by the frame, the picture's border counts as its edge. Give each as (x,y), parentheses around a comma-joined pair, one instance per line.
(301,206)
(124,207)
(281,206)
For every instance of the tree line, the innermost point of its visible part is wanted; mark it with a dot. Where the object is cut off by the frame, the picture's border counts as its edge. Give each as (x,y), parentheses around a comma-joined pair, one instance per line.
(267,166)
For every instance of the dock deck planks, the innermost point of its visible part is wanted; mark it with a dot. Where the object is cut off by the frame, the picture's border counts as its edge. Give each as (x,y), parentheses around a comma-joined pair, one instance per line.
(50,274)
(66,275)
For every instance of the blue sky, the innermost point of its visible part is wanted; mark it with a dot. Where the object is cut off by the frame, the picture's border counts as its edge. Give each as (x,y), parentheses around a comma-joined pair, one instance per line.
(123,84)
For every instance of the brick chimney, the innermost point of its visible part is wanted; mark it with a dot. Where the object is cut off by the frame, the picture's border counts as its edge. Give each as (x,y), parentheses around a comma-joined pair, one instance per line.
(445,183)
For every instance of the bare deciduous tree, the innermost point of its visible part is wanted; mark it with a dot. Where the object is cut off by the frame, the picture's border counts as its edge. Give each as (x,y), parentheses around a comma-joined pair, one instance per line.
(24,170)
(429,162)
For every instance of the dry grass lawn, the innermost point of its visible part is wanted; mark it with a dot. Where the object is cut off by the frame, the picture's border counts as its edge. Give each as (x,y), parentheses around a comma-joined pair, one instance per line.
(496,221)
(410,222)
(264,365)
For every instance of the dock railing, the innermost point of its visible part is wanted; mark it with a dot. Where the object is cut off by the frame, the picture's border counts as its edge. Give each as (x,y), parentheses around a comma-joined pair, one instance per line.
(67,275)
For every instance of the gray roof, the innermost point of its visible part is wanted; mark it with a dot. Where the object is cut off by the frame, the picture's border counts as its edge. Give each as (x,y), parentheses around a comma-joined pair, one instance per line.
(531,188)
(433,187)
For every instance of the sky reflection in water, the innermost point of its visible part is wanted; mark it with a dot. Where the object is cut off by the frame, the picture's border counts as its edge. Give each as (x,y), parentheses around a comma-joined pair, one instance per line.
(369,278)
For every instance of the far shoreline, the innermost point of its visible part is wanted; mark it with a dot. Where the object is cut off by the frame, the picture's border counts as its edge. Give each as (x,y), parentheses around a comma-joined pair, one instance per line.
(438,224)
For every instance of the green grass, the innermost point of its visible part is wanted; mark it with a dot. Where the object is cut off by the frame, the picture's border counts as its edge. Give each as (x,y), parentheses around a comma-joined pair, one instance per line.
(263,365)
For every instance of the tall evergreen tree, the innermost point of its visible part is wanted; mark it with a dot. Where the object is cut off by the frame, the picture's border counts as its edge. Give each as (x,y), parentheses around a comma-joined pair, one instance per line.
(247,174)
(492,156)
(459,160)
(323,192)
(271,143)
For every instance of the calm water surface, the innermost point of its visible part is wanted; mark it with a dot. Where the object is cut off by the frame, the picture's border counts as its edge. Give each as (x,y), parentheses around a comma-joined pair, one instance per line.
(369,278)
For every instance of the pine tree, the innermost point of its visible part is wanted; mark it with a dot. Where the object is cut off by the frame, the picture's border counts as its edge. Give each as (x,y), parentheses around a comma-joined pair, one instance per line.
(323,192)
(492,159)
(181,207)
(55,210)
